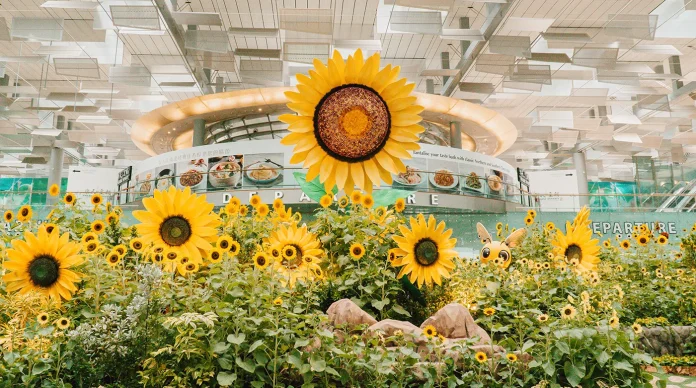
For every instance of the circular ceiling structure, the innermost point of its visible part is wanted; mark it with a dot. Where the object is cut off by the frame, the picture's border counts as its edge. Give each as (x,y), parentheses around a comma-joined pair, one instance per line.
(170,127)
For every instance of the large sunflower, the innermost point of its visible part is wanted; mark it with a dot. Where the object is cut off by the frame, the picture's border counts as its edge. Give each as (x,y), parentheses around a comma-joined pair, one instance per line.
(307,251)
(355,122)
(426,251)
(42,263)
(179,219)
(577,243)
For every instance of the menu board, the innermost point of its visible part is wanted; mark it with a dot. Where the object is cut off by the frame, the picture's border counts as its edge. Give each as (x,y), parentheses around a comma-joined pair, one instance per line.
(260,164)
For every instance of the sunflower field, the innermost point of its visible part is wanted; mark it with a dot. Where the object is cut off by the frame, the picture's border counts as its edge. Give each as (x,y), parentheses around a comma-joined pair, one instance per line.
(237,296)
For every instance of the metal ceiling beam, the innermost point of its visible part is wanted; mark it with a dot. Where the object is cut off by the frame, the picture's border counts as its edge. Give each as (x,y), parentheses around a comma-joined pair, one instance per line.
(497,12)
(177,32)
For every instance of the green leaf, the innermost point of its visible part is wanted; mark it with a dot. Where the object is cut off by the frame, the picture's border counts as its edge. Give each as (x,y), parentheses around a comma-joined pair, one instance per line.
(314,189)
(220,347)
(255,345)
(573,373)
(226,379)
(625,365)
(236,339)
(295,359)
(389,196)
(379,304)
(317,364)
(602,358)
(225,363)
(400,310)
(332,371)
(528,345)
(39,368)
(563,347)
(301,342)
(245,364)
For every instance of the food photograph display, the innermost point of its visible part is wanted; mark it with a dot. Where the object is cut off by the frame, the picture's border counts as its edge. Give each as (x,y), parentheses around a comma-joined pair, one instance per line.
(264,169)
(225,172)
(192,173)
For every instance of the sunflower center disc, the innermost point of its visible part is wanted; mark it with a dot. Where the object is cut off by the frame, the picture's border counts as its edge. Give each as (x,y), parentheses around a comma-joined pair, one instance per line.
(574,252)
(426,252)
(355,122)
(175,231)
(43,271)
(352,123)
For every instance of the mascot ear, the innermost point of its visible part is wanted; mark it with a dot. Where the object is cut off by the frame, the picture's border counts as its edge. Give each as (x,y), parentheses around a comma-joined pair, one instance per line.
(483,234)
(515,238)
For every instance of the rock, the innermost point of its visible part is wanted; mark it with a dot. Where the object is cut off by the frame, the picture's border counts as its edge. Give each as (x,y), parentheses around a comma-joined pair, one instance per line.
(455,321)
(666,340)
(346,313)
(390,326)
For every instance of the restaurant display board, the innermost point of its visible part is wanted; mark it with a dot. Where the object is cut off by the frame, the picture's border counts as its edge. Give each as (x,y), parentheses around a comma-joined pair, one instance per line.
(264,165)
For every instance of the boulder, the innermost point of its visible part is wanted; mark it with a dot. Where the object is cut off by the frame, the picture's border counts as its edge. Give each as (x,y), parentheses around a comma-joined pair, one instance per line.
(346,313)
(454,321)
(390,326)
(660,340)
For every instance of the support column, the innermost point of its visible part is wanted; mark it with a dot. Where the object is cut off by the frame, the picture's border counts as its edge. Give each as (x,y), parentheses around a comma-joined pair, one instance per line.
(430,86)
(456,134)
(580,164)
(445,60)
(55,170)
(198,132)
(674,67)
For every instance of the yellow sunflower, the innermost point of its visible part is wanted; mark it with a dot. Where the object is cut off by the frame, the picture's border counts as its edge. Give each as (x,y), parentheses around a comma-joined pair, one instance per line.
(243,210)
(568,312)
(355,122)
(357,251)
(8,216)
(121,249)
(278,301)
(642,240)
(50,227)
(63,323)
(356,197)
(481,357)
(215,255)
(343,202)
(136,244)
(278,204)
(305,244)
(368,201)
(429,331)
(42,263)
(113,258)
(54,190)
(400,205)
(96,199)
(69,199)
(261,260)
(577,243)
(24,213)
(528,220)
(91,246)
(511,357)
(262,210)
(488,311)
(662,240)
(97,226)
(255,200)
(224,243)
(325,201)
(179,219)
(426,251)
(89,236)
(625,244)
(532,213)
(234,248)
(42,318)
(607,243)
(550,226)
(111,218)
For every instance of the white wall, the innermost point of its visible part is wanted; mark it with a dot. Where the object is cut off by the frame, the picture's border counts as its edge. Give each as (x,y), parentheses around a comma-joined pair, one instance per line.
(87,180)
(555,182)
